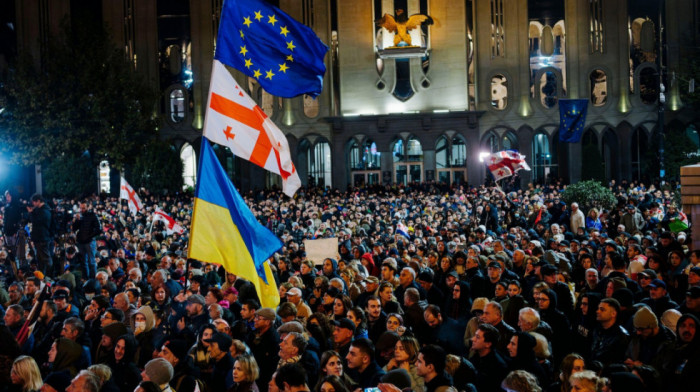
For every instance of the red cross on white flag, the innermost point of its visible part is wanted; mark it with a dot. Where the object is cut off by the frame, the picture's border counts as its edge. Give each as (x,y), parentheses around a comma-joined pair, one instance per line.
(129,194)
(506,163)
(234,120)
(170,225)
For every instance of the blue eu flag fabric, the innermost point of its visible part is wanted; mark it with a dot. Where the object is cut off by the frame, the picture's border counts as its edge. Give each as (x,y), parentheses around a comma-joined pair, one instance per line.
(283,55)
(572,119)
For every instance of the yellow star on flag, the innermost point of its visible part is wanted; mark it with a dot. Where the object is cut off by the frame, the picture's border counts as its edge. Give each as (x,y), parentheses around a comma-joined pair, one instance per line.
(248,63)
(269,75)
(290,45)
(242,35)
(257,74)
(258,15)
(290,58)
(271,20)
(284,31)
(243,51)
(247,21)
(283,67)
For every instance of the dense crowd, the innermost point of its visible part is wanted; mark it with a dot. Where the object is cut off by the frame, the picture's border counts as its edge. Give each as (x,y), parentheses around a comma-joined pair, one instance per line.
(432,289)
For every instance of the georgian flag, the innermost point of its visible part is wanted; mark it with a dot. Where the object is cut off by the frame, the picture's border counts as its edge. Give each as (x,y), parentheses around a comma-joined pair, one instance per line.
(505,163)
(128,193)
(170,225)
(235,121)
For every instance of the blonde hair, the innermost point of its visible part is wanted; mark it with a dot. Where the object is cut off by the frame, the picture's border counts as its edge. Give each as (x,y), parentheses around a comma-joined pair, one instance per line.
(26,368)
(521,381)
(103,372)
(589,379)
(248,365)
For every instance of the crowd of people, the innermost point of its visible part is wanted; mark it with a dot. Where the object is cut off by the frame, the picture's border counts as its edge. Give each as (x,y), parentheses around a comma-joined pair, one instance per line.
(432,289)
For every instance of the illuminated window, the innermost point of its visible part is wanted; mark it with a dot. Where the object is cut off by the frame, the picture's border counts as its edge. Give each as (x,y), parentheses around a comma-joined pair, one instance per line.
(548,89)
(498,34)
(499,92)
(177,105)
(595,18)
(599,87)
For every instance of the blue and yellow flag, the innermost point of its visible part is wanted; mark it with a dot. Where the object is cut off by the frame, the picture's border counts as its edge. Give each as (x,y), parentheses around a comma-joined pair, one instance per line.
(572,119)
(224,230)
(283,55)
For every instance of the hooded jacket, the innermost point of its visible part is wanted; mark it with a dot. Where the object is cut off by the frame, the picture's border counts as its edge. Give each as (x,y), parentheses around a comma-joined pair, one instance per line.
(145,338)
(124,371)
(67,354)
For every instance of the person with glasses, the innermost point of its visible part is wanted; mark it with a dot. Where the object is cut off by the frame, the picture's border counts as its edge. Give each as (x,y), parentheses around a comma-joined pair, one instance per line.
(652,343)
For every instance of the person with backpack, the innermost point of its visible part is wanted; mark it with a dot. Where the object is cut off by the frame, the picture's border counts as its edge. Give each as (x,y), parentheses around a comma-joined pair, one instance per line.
(41,235)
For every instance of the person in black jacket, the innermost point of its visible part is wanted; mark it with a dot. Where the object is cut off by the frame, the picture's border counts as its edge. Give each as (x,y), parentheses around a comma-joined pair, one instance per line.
(490,365)
(40,217)
(86,227)
(124,370)
(12,222)
(610,340)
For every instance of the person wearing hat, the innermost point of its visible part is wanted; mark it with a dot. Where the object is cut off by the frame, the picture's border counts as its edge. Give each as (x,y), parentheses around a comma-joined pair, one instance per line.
(652,343)
(108,337)
(219,345)
(694,272)
(565,301)
(65,309)
(294,295)
(175,352)
(159,371)
(691,305)
(369,288)
(659,301)
(434,296)
(264,344)
(343,334)
(633,220)
(197,317)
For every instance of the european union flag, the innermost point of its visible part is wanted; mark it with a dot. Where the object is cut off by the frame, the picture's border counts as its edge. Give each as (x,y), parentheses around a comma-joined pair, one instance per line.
(283,55)
(572,119)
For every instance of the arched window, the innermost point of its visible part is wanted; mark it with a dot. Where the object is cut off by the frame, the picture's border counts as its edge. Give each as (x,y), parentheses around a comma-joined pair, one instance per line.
(365,163)
(599,87)
(189,161)
(509,141)
(541,157)
(548,89)
(442,153)
(177,105)
(640,146)
(648,85)
(105,185)
(451,160)
(408,161)
(458,155)
(311,106)
(319,164)
(499,92)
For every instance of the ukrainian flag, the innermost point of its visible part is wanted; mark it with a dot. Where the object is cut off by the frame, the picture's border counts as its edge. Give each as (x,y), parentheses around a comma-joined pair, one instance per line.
(224,231)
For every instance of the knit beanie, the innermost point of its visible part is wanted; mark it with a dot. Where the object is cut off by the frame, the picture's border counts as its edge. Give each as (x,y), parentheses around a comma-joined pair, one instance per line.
(159,371)
(645,318)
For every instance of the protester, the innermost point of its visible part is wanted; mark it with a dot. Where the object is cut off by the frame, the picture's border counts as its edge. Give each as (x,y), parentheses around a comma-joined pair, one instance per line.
(420,296)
